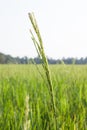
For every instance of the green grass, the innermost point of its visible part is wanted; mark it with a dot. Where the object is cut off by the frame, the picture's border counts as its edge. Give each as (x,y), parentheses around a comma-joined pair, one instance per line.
(70,95)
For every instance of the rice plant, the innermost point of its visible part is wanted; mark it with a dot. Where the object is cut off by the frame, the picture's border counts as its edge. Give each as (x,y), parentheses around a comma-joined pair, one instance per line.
(41,53)
(27,120)
(25,101)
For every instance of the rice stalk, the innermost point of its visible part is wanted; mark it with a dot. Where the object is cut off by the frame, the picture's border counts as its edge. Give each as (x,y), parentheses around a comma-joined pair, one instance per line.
(41,53)
(27,121)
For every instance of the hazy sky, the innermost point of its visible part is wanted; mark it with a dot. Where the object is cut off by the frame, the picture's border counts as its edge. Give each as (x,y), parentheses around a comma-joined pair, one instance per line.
(63,26)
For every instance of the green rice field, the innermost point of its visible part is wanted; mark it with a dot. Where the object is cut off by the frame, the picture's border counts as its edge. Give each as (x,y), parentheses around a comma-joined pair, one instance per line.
(25,102)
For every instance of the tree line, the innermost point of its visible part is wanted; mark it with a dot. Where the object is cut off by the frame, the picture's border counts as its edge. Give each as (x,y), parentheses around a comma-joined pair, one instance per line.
(7,59)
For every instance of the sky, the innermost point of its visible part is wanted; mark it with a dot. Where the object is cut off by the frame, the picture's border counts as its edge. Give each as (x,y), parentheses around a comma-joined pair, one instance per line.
(62,23)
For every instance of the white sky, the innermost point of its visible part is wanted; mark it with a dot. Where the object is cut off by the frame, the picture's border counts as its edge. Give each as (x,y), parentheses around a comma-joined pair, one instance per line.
(63,25)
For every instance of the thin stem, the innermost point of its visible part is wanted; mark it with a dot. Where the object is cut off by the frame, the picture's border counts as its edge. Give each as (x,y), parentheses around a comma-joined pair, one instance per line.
(40,50)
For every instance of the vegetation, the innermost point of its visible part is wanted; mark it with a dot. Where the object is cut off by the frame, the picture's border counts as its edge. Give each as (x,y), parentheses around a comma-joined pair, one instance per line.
(40,50)
(7,59)
(32,98)
(25,101)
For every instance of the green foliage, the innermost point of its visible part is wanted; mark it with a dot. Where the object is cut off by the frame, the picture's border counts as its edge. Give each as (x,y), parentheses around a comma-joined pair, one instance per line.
(70,93)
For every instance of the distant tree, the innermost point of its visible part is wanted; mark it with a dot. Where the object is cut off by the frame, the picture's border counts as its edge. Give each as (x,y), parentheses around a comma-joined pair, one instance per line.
(26,60)
(2,58)
(85,60)
(52,61)
(37,60)
(62,62)
(7,59)
(30,61)
(73,61)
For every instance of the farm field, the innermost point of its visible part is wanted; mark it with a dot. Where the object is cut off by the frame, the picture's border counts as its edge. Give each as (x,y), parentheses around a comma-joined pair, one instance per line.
(25,102)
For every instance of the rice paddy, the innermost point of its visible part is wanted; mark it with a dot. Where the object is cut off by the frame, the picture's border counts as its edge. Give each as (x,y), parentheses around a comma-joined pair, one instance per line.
(25,102)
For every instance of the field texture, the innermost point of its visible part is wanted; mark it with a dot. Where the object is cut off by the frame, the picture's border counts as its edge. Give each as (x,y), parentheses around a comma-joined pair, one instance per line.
(25,102)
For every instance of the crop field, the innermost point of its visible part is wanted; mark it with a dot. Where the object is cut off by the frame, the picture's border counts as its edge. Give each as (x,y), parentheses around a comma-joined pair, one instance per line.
(25,102)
